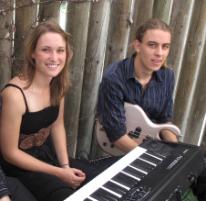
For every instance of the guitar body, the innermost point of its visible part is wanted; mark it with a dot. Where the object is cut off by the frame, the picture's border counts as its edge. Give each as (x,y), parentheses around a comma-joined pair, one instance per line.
(137,123)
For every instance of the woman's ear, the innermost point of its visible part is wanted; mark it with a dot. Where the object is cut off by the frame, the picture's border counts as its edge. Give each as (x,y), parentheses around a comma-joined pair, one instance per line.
(33,55)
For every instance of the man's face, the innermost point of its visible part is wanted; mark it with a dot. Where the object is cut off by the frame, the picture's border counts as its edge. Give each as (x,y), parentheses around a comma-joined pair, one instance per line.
(153,50)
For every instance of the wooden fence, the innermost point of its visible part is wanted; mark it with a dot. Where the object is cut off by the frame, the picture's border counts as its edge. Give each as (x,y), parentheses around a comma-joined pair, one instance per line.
(102,31)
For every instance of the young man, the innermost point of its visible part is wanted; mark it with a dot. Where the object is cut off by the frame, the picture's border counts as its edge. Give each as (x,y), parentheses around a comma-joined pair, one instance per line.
(141,79)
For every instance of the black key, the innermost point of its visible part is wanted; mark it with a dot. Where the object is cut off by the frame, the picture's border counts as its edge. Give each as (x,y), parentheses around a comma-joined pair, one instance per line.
(125,180)
(103,195)
(150,158)
(87,199)
(158,155)
(134,172)
(116,188)
(142,165)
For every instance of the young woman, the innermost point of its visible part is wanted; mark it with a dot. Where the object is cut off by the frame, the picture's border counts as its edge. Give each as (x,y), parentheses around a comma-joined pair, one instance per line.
(33,114)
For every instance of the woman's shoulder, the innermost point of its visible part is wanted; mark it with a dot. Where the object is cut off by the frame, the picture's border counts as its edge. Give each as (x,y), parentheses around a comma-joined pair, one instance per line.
(13,86)
(11,94)
(18,81)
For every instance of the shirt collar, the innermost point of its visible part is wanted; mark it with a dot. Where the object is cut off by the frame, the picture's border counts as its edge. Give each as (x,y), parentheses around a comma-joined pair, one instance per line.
(130,67)
(130,73)
(158,75)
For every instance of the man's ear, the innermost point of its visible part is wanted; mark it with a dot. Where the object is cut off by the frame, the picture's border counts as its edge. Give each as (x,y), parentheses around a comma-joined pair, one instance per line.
(137,44)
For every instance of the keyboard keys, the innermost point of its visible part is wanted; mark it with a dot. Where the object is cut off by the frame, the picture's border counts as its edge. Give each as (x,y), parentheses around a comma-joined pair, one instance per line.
(142,165)
(149,158)
(125,180)
(116,188)
(134,172)
(103,195)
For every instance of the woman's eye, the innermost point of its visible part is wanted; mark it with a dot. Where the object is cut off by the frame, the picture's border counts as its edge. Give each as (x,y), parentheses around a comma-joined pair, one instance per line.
(61,51)
(45,50)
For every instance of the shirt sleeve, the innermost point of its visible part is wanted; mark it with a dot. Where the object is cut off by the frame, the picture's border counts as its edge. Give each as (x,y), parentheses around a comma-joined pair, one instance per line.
(3,186)
(110,109)
(167,114)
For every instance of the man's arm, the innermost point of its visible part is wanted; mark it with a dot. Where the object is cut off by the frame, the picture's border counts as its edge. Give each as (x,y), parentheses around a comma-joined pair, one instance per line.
(126,144)
(111,114)
(167,116)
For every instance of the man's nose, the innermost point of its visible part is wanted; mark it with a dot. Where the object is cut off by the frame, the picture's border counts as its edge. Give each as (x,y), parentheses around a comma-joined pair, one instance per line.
(159,50)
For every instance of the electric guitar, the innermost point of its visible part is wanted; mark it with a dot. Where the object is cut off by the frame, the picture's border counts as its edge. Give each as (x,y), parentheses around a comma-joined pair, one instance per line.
(137,124)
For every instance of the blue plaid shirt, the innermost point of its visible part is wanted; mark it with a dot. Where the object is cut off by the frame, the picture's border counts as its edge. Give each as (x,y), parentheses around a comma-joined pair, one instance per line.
(119,85)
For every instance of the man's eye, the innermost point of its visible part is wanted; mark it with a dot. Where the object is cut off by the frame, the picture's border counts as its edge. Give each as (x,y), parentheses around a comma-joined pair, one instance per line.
(152,45)
(166,47)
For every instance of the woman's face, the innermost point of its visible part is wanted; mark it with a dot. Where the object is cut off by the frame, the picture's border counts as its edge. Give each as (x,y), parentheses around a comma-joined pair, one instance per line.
(50,54)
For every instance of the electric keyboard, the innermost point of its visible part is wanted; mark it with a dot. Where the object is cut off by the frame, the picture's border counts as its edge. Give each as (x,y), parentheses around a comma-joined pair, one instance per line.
(156,171)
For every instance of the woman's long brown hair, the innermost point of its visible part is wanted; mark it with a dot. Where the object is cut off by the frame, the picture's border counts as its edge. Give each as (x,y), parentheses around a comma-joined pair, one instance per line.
(60,83)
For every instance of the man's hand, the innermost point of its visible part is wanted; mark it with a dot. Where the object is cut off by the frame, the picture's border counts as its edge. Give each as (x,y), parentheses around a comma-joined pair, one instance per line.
(5,198)
(167,135)
(126,143)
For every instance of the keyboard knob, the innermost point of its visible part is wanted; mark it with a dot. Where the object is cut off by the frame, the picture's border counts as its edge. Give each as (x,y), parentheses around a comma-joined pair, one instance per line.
(191,177)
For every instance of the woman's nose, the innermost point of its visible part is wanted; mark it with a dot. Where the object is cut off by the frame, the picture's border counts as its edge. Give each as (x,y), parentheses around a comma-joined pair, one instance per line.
(53,55)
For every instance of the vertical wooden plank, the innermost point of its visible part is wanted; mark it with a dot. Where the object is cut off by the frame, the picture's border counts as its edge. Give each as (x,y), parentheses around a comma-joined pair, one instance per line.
(26,18)
(49,10)
(162,9)
(142,10)
(98,30)
(187,54)
(203,134)
(6,36)
(198,106)
(180,24)
(204,143)
(77,25)
(119,30)
(191,67)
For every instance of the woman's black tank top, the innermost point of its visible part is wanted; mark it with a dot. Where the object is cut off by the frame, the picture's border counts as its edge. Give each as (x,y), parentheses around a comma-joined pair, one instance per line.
(32,122)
